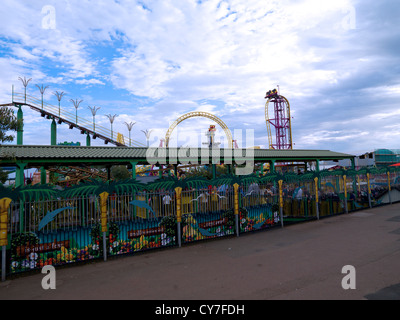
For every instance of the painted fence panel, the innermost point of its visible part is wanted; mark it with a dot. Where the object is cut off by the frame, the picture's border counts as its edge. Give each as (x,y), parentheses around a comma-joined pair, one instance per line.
(145,220)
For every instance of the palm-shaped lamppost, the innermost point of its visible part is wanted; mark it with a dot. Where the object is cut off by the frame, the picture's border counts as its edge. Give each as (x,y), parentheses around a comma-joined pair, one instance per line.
(59,96)
(25,83)
(94,111)
(130,126)
(42,89)
(76,104)
(111,118)
(147,133)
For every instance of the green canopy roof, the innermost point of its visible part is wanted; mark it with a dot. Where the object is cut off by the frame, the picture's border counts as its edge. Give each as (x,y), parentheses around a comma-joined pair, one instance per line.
(63,155)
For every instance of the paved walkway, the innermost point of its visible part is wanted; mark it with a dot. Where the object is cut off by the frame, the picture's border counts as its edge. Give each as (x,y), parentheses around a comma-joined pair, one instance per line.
(302,261)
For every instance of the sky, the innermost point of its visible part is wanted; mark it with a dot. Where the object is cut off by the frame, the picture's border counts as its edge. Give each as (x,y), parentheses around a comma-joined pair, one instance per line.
(149,62)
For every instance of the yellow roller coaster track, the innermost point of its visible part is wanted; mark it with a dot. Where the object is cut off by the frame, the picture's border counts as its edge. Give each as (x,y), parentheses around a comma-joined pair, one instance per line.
(204,115)
(268,121)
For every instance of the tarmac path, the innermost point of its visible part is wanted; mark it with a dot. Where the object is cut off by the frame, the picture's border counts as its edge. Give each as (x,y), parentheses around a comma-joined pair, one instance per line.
(300,262)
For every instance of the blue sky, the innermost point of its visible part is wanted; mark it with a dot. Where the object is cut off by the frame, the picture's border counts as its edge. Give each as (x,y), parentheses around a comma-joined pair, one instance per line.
(337,62)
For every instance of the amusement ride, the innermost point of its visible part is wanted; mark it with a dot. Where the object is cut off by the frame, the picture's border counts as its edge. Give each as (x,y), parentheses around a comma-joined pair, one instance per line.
(277,116)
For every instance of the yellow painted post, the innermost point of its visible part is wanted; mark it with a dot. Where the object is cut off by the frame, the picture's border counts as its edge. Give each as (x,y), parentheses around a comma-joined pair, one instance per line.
(236,207)
(178,195)
(345,194)
(369,191)
(389,187)
(316,197)
(4,204)
(280,182)
(103,210)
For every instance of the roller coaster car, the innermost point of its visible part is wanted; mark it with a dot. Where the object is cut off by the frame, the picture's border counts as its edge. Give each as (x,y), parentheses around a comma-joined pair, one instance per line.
(271,93)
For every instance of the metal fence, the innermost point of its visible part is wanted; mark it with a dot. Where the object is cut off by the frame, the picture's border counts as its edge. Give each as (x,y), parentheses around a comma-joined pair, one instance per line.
(146,220)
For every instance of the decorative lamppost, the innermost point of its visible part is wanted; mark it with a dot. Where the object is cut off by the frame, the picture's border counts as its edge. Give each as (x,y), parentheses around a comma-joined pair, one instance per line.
(25,83)
(147,133)
(111,118)
(130,126)
(94,111)
(42,89)
(59,96)
(76,104)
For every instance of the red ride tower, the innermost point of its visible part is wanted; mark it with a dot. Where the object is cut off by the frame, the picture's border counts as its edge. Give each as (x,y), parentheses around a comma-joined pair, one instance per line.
(281,121)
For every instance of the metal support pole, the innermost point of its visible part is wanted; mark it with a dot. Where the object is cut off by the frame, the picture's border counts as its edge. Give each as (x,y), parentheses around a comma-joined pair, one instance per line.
(178,195)
(3,263)
(281,201)
(345,193)
(133,163)
(105,246)
(53,133)
(179,234)
(43,175)
(20,131)
(237,224)
(389,188)
(316,197)
(236,207)
(369,191)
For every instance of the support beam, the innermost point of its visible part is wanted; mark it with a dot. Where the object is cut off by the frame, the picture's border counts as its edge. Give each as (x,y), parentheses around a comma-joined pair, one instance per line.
(214,171)
(20,131)
(87,140)
(133,164)
(19,174)
(53,132)
(43,176)
(272,166)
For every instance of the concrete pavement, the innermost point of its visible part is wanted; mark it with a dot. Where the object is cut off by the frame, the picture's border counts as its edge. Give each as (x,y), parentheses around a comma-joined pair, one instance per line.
(302,261)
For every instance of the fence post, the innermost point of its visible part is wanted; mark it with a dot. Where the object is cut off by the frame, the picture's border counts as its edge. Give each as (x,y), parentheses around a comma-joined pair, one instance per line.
(369,191)
(4,204)
(316,197)
(345,194)
(103,210)
(236,207)
(389,188)
(178,194)
(281,201)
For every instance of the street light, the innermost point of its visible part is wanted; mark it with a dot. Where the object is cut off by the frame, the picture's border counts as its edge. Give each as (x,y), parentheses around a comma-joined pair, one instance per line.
(111,118)
(130,126)
(42,89)
(147,133)
(25,83)
(94,111)
(76,104)
(59,96)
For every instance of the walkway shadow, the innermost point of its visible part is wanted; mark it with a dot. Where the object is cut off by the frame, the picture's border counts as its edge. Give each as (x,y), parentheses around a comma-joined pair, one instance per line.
(388,293)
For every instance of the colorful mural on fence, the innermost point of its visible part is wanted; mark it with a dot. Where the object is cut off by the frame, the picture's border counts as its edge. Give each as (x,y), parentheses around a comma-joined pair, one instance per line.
(34,250)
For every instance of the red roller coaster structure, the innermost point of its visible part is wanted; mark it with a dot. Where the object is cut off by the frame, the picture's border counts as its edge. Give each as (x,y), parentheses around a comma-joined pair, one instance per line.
(281,121)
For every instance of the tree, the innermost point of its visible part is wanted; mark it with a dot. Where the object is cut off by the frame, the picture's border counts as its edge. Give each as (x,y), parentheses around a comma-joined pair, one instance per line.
(8,122)
(120,173)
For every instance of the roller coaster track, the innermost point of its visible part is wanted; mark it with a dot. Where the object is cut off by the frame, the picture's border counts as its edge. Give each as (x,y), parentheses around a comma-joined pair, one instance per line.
(62,116)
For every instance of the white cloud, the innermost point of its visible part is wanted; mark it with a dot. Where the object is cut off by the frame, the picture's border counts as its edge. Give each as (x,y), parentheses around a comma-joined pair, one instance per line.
(227,53)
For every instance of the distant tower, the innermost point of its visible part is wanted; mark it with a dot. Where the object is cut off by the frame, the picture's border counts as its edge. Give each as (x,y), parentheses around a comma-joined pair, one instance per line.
(210,133)
(280,121)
